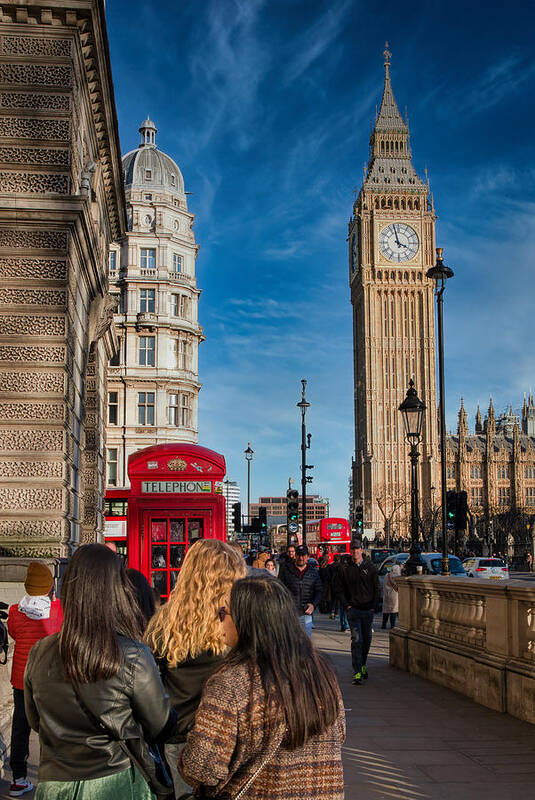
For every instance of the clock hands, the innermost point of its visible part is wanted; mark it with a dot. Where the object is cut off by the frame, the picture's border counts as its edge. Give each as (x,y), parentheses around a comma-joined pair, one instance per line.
(399,244)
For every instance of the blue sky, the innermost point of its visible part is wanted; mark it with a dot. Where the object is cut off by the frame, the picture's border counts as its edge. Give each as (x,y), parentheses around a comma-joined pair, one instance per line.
(266,106)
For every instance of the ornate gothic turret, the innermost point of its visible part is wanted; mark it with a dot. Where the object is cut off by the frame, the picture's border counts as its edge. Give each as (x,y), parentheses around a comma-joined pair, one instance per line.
(528,416)
(462,424)
(390,164)
(490,422)
(479,422)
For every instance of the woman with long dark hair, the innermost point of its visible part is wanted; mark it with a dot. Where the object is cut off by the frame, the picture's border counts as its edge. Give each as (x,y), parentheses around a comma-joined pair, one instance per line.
(95,669)
(271,720)
(186,636)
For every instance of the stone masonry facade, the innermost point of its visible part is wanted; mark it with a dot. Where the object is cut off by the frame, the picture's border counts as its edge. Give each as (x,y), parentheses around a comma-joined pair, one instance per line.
(61,204)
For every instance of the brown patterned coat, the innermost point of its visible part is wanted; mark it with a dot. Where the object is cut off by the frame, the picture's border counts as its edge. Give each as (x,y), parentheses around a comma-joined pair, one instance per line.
(231,737)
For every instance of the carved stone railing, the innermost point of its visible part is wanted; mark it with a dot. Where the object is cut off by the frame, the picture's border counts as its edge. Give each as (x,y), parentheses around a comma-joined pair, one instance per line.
(471,635)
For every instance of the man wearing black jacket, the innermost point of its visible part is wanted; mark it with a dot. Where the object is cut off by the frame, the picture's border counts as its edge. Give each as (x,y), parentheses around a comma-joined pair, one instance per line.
(304,583)
(359,591)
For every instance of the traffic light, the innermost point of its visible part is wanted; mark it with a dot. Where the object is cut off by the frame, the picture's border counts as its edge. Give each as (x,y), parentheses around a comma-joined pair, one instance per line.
(461,517)
(359,518)
(262,516)
(451,508)
(236,517)
(292,510)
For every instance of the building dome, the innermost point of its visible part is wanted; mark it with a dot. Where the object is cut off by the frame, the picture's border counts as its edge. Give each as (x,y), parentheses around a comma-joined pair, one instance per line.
(149,168)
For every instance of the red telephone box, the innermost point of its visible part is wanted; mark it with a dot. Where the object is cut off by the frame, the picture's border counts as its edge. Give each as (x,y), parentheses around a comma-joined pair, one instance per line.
(176,497)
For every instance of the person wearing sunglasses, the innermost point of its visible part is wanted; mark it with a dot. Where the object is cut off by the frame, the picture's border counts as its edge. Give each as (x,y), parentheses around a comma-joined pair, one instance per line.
(272,712)
(186,635)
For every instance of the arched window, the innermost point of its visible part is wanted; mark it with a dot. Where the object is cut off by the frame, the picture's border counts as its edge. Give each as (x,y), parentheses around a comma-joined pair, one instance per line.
(389,202)
(417,203)
(383,202)
(409,203)
(376,202)
(403,203)
(396,203)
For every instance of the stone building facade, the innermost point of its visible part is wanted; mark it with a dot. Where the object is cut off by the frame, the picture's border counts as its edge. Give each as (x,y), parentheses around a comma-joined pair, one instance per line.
(153,380)
(495,465)
(391,236)
(61,205)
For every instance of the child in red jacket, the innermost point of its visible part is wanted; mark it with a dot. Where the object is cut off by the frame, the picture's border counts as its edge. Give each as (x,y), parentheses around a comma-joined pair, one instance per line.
(35,617)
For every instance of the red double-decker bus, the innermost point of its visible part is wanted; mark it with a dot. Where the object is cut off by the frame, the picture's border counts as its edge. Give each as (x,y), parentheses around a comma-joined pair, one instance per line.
(175,498)
(328,536)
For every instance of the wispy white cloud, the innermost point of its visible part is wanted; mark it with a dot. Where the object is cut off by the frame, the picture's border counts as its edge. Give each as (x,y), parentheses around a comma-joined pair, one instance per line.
(316,40)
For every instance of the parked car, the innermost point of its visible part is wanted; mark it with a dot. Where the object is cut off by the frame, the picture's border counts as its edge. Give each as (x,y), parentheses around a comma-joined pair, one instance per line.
(378,554)
(495,569)
(433,564)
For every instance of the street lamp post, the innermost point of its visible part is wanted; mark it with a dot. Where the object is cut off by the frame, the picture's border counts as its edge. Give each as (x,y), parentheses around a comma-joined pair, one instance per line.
(305,444)
(249,457)
(441,273)
(227,482)
(412,409)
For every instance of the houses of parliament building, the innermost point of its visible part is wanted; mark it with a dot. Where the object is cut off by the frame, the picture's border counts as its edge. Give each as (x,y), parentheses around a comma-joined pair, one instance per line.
(391,237)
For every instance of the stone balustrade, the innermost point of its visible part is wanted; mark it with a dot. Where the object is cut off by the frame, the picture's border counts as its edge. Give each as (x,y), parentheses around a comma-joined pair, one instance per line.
(472,635)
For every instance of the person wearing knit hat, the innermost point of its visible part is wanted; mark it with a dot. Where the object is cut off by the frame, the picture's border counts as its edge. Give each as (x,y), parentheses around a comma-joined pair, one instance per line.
(35,616)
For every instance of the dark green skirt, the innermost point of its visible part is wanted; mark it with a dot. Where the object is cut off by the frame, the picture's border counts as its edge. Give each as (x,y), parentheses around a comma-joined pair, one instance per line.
(127,785)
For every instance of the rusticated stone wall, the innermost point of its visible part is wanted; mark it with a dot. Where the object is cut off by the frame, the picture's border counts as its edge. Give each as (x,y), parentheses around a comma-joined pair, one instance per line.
(61,203)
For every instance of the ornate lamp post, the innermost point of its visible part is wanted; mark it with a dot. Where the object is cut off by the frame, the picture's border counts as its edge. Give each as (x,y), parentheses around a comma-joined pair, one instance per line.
(412,409)
(440,273)
(305,444)
(248,457)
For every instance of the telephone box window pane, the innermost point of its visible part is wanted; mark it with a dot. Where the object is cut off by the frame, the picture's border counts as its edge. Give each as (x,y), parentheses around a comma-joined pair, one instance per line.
(159,582)
(158,556)
(158,530)
(177,530)
(195,530)
(173,575)
(177,554)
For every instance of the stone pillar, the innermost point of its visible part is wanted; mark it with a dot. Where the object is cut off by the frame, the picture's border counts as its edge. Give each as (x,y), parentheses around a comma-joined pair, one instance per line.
(61,203)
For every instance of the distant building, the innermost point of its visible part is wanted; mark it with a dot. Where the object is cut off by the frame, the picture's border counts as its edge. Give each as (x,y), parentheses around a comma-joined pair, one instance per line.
(231,492)
(153,381)
(495,465)
(317,507)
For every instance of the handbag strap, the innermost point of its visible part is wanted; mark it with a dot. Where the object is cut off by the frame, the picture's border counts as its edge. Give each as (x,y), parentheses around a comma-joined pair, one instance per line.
(257,771)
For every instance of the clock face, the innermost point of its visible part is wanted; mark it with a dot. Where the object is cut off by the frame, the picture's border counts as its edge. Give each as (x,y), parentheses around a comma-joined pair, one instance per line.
(398,242)
(354,252)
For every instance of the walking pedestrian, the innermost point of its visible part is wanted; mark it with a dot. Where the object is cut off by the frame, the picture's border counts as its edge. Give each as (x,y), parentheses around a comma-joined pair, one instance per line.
(286,559)
(186,636)
(359,590)
(304,584)
(271,720)
(391,597)
(337,605)
(36,615)
(92,676)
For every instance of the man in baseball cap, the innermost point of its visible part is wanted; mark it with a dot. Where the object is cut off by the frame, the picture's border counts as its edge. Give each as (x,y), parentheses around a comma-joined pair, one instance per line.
(304,583)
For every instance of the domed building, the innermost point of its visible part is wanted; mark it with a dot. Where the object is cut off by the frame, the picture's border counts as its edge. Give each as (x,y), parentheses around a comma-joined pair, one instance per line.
(153,380)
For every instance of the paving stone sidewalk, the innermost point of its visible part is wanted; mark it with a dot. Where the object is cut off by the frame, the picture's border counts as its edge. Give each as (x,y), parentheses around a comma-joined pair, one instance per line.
(412,740)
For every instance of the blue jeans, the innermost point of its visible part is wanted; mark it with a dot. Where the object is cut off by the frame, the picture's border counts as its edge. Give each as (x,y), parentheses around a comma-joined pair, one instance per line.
(360,623)
(344,624)
(307,623)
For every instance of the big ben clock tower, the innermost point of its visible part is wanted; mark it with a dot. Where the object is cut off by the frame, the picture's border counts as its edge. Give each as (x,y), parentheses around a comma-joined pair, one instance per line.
(391,246)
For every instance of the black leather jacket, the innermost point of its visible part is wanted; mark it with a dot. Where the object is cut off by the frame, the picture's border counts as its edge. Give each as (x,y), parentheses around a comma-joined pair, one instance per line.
(132,702)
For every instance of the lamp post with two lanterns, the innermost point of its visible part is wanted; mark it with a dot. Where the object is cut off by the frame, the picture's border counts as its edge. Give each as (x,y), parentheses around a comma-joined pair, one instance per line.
(412,410)
(441,273)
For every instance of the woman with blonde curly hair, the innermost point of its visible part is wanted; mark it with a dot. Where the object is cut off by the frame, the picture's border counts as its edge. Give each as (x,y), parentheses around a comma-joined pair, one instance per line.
(186,634)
